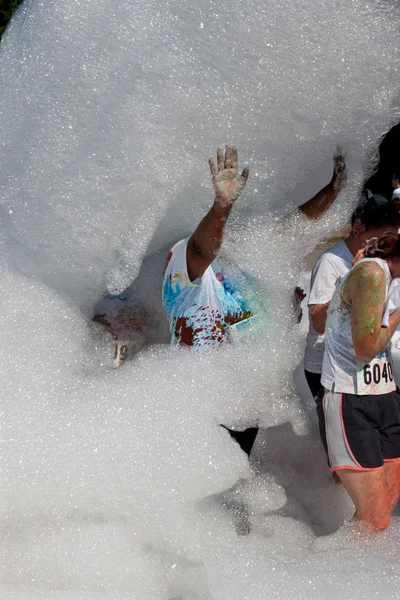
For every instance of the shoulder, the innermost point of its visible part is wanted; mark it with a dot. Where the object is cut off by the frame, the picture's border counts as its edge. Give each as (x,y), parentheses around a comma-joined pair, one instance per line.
(337,253)
(367,271)
(330,258)
(365,285)
(181,244)
(176,250)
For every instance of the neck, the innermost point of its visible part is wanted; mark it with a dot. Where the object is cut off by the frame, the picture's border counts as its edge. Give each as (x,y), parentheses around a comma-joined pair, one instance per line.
(352,244)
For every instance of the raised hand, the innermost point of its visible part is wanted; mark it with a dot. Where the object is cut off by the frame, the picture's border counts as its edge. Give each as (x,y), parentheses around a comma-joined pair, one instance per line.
(130,319)
(227,185)
(339,177)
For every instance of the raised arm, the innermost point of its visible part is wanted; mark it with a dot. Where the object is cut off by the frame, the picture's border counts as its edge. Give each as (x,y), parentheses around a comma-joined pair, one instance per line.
(317,205)
(206,240)
(365,291)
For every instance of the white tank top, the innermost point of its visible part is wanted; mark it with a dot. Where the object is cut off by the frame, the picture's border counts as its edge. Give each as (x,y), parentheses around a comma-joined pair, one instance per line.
(342,372)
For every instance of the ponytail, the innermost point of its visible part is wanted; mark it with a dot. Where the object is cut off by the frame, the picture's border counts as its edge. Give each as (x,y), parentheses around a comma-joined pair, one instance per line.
(385,246)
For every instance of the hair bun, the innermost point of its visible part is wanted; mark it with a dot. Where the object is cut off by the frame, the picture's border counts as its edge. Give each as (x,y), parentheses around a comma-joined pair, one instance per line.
(383,246)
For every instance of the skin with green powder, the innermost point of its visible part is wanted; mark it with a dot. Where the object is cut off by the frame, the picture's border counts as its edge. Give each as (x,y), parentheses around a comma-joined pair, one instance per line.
(365,292)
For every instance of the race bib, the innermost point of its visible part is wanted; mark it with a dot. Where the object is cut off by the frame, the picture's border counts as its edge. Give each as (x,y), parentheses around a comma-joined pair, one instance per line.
(376,377)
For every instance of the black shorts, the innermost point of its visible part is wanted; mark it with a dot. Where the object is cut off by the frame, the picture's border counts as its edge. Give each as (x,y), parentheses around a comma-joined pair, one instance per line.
(314,383)
(359,432)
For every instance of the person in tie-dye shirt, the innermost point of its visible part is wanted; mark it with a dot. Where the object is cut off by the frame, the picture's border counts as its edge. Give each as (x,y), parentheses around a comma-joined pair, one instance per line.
(204,304)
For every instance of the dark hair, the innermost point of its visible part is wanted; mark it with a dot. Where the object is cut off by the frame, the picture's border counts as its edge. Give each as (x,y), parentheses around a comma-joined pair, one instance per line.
(395,176)
(385,246)
(375,212)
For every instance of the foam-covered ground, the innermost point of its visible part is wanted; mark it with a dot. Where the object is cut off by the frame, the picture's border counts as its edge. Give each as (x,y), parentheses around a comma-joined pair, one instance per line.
(115,483)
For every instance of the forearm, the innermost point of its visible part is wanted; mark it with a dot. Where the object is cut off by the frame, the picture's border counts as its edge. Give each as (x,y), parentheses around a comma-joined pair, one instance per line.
(373,347)
(319,313)
(207,238)
(317,205)
(205,242)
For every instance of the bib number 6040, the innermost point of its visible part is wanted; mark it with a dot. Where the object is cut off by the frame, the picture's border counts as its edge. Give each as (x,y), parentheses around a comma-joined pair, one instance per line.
(377,373)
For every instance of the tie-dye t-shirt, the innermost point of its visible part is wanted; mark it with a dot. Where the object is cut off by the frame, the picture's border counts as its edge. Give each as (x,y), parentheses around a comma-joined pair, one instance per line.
(207,311)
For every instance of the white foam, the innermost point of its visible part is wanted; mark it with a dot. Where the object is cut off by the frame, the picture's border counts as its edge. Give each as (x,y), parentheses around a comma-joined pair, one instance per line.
(114,484)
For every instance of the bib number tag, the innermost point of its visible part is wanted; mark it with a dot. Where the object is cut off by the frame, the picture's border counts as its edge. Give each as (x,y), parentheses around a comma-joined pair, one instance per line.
(376,377)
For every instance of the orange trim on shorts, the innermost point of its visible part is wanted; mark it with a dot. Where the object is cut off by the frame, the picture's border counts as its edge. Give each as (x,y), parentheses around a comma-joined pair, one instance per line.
(356,468)
(391,459)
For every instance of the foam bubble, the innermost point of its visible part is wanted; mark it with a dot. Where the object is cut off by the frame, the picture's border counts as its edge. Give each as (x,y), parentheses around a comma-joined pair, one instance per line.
(121,484)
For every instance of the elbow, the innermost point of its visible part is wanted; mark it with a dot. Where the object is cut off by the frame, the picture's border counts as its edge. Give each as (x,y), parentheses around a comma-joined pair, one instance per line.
(319,328)
(363,356)
(318,325)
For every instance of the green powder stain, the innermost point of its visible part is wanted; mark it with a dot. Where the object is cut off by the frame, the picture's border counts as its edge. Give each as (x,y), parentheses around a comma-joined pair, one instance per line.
(371,323)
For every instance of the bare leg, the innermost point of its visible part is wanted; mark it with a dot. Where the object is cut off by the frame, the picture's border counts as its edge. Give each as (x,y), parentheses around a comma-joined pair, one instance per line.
(392,474)
(370,494)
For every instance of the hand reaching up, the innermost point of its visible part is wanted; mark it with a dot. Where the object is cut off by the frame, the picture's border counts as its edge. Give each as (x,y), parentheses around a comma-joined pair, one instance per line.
(339,177)
(227,185)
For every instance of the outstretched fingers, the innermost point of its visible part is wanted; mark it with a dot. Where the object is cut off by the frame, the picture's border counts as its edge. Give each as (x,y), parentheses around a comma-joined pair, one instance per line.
(228,157)
(213,168)
(234,158)
(243,178)
(220,159)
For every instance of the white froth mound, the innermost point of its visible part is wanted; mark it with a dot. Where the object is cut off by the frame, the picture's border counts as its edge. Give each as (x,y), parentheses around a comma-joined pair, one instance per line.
(113,482)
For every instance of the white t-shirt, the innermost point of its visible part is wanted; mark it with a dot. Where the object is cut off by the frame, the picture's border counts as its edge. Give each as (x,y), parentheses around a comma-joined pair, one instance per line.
(342,371)
(209,310)
(396,193)
(329,269)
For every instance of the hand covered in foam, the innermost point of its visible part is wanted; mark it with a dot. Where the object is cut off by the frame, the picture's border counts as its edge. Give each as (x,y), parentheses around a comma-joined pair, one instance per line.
(227,185)
(131,318)
(339,177)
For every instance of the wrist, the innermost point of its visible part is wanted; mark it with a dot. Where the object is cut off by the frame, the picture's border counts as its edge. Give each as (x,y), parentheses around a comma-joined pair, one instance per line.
(332,185)
(221,210)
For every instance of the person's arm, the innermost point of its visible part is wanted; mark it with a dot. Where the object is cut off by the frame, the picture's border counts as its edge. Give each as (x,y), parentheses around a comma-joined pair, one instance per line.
(365,291)
(320,203)
(102,320)
(324,279)
(319,313)
(127,319)
(206,240)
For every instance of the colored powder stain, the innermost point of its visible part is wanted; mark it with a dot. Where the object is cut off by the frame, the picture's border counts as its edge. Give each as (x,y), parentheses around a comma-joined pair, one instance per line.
(370,323)
(233,319)
(184,332)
